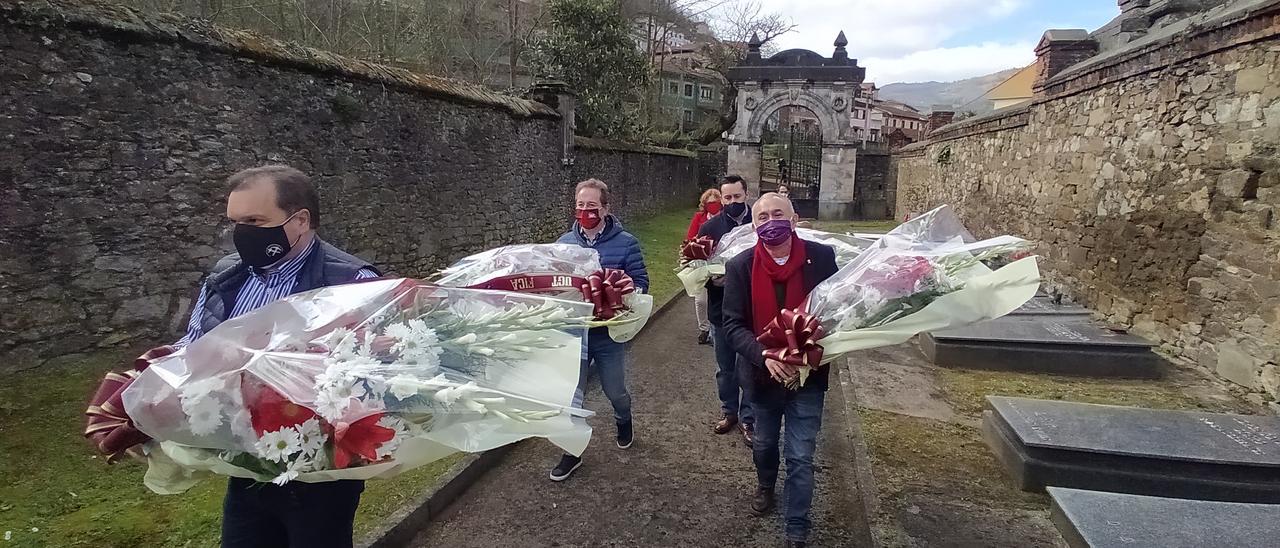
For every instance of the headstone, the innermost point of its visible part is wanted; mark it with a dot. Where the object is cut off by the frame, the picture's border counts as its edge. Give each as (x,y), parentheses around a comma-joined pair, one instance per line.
(1184,454)
(1059,342)
(1092,519)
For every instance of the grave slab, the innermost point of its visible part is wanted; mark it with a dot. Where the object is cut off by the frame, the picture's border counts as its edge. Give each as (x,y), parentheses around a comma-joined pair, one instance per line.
(1059,344)
(1093,519)
(1041,305)
(1180,454)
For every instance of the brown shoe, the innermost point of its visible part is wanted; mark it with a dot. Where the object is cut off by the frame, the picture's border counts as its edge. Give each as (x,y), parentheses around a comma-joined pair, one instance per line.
(726,424)
(748,434)
(762,502)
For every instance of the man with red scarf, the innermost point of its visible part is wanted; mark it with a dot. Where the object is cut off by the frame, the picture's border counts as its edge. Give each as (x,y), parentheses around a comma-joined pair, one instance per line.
(779,272)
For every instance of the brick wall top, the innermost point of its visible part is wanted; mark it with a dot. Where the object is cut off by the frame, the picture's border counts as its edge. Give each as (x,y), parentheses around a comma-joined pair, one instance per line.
(119,20)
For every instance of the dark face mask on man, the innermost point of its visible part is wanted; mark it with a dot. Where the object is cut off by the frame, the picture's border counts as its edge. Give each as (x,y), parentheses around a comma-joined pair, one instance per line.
(735,210)
(262,246)
(774,232)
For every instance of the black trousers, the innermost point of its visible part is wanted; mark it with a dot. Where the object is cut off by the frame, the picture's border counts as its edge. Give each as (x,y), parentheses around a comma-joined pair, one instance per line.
(295,515)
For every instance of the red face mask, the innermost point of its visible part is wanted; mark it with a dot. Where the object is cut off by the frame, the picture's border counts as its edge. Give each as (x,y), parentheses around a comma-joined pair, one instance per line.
(713,207)
(588,218)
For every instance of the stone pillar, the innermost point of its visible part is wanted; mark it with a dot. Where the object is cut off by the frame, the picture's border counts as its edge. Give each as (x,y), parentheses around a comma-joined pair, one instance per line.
(837,193)
(557,95)
(939,118)
(1059,49)
(744,161)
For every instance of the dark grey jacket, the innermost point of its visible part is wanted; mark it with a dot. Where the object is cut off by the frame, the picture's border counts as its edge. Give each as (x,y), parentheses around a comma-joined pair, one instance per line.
(326,266)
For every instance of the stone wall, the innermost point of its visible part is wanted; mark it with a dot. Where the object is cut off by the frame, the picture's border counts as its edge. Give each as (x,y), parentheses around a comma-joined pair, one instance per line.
(871,194)
(1150,180)
(117,132)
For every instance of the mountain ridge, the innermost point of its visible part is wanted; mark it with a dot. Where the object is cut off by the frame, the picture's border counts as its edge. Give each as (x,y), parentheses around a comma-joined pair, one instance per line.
(962,95)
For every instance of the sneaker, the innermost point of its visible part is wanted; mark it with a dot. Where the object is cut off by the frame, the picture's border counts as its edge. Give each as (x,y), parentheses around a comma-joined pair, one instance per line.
(762,502)
(625,435)
(704,337)
(568,464)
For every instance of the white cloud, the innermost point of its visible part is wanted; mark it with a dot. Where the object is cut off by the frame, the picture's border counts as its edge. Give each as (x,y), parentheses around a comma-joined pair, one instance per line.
(948,64)
(902,40)
(880,28)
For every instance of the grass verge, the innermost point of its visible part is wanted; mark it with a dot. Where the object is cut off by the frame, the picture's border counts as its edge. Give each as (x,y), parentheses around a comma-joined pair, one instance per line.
(660,238)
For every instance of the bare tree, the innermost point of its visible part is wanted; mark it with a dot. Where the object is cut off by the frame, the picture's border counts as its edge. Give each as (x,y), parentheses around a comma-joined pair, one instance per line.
(735,26)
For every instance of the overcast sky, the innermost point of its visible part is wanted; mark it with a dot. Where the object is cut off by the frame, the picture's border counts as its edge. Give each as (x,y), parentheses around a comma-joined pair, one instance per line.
(943,40)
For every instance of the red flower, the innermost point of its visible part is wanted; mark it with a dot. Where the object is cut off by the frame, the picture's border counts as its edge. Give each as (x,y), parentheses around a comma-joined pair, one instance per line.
(359,439)
(269,410)
(898,276)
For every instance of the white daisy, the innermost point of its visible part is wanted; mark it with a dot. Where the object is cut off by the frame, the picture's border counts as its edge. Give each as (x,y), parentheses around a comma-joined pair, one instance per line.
(205,416)
(278,445)
(401,428)
(194,392)
(333,403)
(312,437)
(415,342)
(292,470)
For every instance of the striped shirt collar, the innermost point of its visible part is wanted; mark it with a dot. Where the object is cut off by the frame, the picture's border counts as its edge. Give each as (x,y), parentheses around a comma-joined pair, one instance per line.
(287,270)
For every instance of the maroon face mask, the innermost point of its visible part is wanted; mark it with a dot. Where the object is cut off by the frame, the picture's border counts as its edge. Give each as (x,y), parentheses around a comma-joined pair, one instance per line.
(588,218)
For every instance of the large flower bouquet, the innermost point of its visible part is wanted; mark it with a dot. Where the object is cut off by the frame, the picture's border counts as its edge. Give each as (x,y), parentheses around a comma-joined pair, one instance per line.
(354,382)
(701,260)
(562,270)
(926,275)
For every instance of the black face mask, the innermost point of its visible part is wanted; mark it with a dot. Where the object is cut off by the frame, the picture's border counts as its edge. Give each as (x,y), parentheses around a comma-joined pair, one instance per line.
(735,210)
(262,246)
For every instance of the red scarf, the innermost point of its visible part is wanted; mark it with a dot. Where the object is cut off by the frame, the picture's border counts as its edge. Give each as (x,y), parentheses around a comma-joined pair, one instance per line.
(765,272)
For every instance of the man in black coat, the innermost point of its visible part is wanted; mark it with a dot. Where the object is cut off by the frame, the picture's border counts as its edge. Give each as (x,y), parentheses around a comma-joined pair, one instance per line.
(778,273)
(735,410)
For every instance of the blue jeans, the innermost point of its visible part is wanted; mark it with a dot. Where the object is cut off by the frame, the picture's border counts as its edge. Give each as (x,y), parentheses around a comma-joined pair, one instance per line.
(293,515)
(727,385)
(802,410)
(608,359)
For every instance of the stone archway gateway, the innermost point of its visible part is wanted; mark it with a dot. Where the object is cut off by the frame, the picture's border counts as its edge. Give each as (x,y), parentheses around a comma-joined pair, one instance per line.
(815,95)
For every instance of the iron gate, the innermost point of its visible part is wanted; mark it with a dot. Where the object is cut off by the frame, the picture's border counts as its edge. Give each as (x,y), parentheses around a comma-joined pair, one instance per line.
(792,156)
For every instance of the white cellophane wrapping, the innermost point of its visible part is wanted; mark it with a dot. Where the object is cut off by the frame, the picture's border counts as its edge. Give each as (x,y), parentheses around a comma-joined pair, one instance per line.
(542,260)
(928,274)
(694,274)
(363,380)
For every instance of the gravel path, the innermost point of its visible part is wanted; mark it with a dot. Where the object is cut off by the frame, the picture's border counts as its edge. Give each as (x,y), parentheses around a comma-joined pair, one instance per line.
(679,485)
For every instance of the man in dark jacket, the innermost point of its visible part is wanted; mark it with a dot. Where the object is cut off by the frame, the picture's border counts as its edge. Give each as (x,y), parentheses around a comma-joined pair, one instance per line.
(735,410)
(276,212)
(594,227)
(778,273)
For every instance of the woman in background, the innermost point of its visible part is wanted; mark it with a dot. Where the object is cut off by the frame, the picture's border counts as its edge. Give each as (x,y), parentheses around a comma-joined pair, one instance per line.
(708,207)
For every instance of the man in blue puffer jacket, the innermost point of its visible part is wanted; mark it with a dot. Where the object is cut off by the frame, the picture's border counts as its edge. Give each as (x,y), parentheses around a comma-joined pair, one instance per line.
(595,228)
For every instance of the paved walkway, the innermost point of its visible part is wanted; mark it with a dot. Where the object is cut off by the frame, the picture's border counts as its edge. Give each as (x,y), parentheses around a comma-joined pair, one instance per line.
(679,485)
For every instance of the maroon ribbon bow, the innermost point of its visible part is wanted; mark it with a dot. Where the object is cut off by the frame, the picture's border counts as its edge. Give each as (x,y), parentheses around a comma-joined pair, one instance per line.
(605,290)
(697,249)
(792,338)
(109,428)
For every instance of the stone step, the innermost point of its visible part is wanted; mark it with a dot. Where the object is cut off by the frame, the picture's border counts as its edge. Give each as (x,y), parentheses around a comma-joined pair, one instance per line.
(1093,519)
(1182,454)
